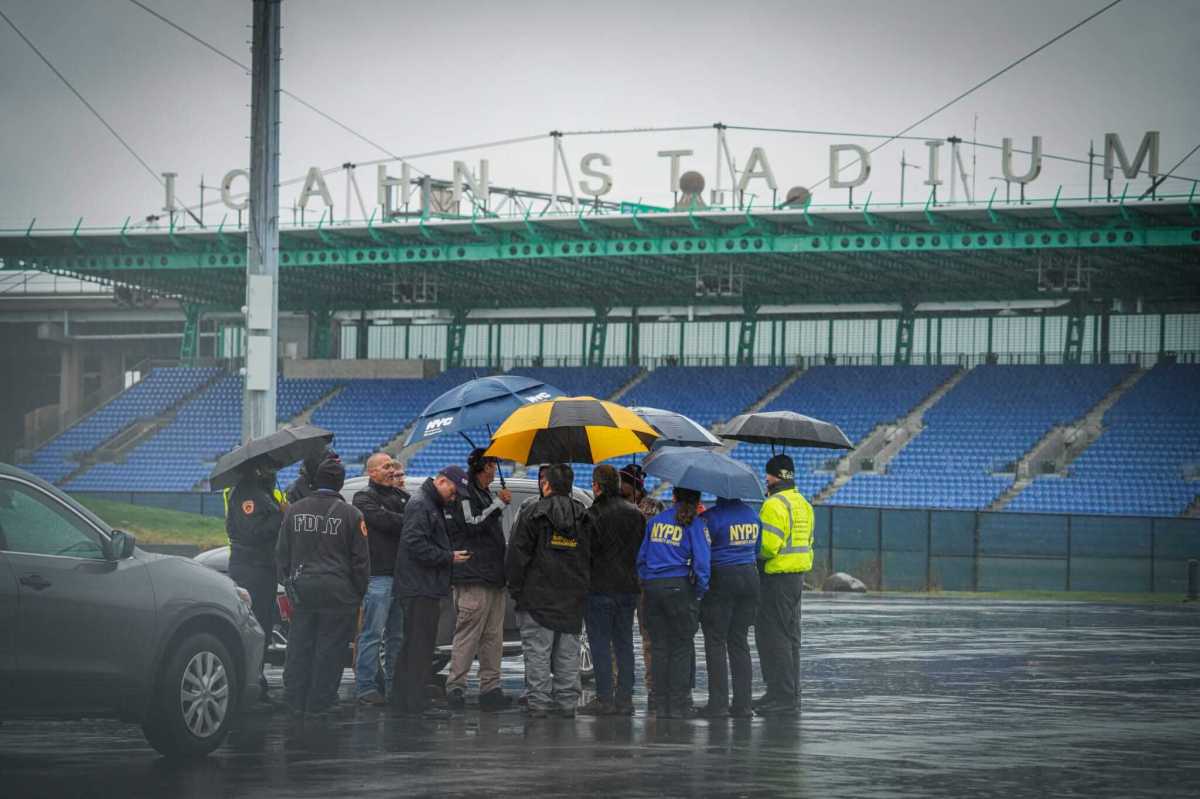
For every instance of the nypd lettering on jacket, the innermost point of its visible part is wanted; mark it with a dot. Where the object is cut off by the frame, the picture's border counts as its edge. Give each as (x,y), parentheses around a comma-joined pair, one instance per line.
(312,523)
(671,550)
(662,533)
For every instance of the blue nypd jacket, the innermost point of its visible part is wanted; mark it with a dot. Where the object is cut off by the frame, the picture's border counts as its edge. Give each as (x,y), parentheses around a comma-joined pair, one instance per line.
(734,528)
(669,550)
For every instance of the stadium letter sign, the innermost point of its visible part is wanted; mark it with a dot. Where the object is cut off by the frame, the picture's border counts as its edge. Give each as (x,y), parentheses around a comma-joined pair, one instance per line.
(849,167)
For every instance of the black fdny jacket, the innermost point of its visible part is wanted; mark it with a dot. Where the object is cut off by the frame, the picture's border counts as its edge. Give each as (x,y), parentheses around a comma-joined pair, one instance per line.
(252,523)
(322,555)
(548,563)
(479,527)
(424,557)
(617,530)
(383,508)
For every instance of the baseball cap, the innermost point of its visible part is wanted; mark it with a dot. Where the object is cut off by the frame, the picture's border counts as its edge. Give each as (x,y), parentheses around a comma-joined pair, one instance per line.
(457,476)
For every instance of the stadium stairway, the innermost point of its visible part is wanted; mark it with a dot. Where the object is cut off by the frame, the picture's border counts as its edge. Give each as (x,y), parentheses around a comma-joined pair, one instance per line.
(305,416)
(1062,444)
(886,441)
(641,375)
(137,431)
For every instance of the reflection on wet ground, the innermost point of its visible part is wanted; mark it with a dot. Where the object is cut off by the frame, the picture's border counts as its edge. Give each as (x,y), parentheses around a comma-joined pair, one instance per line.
(902,697)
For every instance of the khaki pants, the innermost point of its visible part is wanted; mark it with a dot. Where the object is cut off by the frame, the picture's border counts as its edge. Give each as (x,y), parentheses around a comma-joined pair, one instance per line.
(478,630)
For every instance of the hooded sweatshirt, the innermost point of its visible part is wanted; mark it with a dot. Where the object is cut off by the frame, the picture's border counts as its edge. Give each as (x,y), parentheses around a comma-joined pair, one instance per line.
(548,563)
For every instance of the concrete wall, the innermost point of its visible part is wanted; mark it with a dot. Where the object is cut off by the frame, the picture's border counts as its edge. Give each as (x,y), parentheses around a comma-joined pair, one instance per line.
(365,369)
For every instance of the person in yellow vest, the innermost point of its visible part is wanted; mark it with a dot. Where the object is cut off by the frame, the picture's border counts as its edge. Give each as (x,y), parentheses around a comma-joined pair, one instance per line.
(785,553)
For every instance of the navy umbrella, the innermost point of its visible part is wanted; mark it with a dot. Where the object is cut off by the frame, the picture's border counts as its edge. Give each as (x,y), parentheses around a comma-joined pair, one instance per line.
(676,429)
(476,403)
(706,471)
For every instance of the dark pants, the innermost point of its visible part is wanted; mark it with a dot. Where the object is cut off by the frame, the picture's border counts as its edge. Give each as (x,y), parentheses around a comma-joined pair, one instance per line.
(673,615)
(777,632)
(414,667)
(316,655)
(726,615)
(610,628)
(259,581)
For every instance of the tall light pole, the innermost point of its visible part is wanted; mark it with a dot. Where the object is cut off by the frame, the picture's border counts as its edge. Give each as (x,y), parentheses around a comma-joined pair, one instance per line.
(262,238)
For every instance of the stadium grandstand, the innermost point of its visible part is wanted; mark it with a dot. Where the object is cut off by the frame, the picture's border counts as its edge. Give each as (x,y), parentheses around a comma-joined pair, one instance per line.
(1041,358)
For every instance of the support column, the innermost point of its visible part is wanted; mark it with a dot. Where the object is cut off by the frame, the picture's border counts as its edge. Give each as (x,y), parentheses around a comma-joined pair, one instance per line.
(598,340)
(904,334)
(635,339)
(1073,346)
(320,333)
(70,380)
(262,239)
(456,335)
(747,333)
(1041,339)
(189,345)
(362,337)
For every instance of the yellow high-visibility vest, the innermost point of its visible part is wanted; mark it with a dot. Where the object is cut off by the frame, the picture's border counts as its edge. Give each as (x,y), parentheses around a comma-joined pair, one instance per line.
(787,533)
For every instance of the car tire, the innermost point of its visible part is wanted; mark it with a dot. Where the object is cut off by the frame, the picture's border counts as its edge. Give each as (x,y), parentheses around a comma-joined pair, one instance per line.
(196,699)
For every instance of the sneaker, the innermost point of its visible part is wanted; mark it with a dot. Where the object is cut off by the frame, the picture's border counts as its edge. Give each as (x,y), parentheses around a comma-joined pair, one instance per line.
(741,713)
(777,709)
(436,714)
(597,707)
(765,699)
(456,699)
(713,712)
(624,708)
(535,712)
(565,713)
(494,701)
(372,699)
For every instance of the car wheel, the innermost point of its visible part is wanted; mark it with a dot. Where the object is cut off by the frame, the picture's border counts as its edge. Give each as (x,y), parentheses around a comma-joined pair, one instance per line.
(196,700)
(586,671)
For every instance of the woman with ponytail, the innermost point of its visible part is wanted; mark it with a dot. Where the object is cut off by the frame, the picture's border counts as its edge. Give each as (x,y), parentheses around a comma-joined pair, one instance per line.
(673,566)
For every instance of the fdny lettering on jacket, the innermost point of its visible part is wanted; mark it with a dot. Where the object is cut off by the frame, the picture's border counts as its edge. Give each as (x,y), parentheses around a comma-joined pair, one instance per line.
(312,523)
(663,533)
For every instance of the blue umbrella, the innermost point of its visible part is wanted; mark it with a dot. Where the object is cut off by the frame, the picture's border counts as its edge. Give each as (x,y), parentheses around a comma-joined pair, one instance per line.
(706,471)
(676,429)
(479,402)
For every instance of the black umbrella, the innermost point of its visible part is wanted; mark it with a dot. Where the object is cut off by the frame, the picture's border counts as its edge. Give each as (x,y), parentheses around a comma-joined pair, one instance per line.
(786,428)
(281,448)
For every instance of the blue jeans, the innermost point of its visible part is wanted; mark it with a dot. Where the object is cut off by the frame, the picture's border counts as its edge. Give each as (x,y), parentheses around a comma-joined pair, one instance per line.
(382,623)
(610,633)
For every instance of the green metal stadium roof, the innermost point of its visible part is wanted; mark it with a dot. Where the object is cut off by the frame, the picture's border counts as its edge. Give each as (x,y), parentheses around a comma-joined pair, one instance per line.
(651,256)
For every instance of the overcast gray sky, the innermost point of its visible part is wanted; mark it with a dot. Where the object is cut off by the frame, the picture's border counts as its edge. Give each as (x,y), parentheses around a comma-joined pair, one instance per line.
(422,76)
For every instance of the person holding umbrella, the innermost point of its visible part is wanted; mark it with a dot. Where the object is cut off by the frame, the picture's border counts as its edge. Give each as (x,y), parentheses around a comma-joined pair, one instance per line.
(252,519)
(729,607)
(785,553)
(673,565)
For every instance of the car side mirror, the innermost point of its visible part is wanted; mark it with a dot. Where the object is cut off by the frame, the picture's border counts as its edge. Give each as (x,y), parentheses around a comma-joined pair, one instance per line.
(122,544)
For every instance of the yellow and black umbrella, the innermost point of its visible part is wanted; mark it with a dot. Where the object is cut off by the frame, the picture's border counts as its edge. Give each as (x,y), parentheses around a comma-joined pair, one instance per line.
(571,430)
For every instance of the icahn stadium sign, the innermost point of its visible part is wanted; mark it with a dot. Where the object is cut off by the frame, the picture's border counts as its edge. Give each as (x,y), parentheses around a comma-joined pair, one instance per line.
(849,167)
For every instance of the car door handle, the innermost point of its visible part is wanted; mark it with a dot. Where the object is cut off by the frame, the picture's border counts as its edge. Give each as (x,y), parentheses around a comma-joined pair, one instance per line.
(35,581)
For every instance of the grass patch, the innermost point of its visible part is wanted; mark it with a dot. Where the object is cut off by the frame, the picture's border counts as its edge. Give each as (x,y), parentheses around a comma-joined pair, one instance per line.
(160,526)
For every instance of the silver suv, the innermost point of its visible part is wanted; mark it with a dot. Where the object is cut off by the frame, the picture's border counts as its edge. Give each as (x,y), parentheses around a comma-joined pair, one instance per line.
(92,626)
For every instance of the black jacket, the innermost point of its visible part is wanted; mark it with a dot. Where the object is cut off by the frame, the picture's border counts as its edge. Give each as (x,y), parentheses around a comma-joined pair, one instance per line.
(300,488)
(424,557)
(617,530)
(548,563)
(322,555)
(252,523)
(383,508)
(479,528)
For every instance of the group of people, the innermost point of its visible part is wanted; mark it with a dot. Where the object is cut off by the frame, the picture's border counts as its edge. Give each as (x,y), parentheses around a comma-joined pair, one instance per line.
(383,564)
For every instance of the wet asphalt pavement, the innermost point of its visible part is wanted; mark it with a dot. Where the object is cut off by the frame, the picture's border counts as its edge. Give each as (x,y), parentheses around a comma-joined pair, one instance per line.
(902,697)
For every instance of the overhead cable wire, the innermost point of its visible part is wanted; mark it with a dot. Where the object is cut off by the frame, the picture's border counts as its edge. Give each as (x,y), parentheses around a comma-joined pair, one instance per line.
(981,84)
(613,131)
(218,51)
(1170,174)
(128,147)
